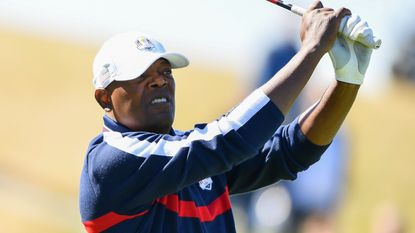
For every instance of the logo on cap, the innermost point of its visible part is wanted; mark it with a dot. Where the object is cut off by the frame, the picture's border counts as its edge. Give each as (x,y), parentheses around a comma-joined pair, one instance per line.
(145,44)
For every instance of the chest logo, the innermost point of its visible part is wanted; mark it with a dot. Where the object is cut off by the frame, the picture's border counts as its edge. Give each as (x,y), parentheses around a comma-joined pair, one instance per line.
(206,184)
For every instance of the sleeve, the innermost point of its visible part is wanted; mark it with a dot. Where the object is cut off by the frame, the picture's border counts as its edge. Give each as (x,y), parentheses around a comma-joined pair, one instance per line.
(282,157)
(136,168)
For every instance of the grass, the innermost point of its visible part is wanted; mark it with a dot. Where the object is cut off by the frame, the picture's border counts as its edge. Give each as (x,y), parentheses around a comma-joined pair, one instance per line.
(383,135)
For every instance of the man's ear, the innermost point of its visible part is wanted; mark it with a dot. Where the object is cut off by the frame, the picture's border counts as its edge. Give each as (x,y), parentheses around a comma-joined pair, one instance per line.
(103,97)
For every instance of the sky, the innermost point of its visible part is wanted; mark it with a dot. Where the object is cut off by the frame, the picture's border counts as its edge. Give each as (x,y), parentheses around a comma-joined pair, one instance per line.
(227,34)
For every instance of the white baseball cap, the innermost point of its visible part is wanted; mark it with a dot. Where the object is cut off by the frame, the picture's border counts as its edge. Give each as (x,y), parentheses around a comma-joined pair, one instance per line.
(128,55)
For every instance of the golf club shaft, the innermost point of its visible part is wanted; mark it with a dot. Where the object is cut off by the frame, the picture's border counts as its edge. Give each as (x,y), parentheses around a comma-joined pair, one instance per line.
(293,8)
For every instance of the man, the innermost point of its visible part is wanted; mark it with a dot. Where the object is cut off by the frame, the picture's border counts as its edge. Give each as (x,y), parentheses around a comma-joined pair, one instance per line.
(140,175)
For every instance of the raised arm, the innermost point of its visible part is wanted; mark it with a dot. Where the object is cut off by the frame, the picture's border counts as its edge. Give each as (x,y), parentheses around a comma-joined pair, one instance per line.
(321,122)
(350,60)
(295,147)
(318,33)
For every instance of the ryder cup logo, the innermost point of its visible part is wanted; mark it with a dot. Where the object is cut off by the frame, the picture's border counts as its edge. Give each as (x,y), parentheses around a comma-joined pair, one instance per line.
(206,184)
(145,44)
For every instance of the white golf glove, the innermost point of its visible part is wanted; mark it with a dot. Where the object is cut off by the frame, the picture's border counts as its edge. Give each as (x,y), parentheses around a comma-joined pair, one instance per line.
(351,51)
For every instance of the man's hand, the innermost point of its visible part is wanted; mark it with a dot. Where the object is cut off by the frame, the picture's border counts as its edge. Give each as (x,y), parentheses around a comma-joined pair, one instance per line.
(351,58)
(320,26)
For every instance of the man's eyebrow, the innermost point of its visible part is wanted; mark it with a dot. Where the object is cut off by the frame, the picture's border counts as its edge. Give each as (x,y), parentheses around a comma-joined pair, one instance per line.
(165,62)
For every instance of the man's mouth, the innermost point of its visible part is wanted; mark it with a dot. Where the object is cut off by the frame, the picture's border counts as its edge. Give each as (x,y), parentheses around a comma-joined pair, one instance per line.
(159,100)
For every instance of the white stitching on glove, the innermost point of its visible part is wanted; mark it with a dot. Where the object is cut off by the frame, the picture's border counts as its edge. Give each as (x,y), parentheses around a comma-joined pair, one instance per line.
(351,58)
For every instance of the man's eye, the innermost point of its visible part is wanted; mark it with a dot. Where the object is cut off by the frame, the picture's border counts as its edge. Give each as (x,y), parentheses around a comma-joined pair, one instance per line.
(167,73)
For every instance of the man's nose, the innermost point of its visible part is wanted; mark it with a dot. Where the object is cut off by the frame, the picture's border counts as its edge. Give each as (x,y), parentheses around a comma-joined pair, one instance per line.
(158,81)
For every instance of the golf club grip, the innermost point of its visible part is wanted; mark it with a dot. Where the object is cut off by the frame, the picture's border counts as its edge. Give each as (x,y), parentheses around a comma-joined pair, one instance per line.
(297,10)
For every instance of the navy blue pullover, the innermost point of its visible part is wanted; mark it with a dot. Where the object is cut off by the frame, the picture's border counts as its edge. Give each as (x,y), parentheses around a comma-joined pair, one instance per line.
(180,182)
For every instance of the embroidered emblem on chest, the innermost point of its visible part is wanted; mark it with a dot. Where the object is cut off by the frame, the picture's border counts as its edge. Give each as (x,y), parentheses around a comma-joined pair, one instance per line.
(206,184)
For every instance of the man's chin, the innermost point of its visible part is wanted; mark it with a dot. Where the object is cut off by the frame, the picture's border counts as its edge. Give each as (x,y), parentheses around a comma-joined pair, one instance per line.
(162,123)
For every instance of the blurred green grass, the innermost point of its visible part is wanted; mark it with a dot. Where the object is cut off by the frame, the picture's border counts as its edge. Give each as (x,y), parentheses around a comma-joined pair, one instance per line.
(49,115)
(381,169)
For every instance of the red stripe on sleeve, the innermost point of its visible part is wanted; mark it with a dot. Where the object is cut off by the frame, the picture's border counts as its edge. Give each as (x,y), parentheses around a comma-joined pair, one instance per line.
(106,221)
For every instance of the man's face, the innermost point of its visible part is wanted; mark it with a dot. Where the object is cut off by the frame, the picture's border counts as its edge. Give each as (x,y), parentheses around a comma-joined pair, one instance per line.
(147,102)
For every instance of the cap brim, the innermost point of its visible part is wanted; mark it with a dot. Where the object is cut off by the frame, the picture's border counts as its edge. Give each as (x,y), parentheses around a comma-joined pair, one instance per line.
(176,60)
